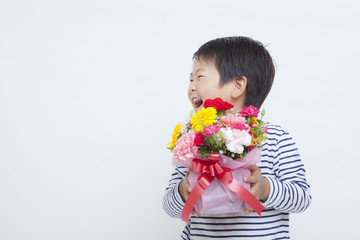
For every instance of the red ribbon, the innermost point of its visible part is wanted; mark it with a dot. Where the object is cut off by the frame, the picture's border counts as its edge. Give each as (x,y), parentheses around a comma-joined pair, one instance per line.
(209,170)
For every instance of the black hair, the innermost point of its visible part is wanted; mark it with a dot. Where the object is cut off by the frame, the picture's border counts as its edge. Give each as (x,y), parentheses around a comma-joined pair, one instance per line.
(241,56)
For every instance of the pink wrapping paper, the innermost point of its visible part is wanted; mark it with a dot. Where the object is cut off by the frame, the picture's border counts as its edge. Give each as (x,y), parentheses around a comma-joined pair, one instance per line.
(218,199)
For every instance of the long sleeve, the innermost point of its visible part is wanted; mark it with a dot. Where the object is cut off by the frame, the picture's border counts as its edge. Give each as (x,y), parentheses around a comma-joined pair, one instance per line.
(289,190)
(172,201)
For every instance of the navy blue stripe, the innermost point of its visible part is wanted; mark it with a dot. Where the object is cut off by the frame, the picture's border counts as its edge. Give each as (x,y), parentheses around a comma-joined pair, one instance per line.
(291,178)
(272,139)
(273,133)
(288,203)
(285,139)
(231,236)
(239,229)
(170,208)
(268,150)
(276,188)
(287,145)
(180,204)
(269,144)
(266,155)
(291,162)
(188,231)
(299,167)
(265,167)
(240,223)
(291,150)
(240,217)
(270,129)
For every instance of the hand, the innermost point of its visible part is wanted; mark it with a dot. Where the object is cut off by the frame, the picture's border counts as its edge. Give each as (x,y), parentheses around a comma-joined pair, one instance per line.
(260,186)
(185,189)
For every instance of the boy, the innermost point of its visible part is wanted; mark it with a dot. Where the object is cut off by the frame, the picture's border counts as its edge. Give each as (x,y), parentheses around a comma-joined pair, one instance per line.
(240,71)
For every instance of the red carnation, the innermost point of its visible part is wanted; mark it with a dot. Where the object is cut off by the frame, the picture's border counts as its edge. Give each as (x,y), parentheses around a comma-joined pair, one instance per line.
(251,147)
(252,134)
(249,111)
(218,104)
(199,139)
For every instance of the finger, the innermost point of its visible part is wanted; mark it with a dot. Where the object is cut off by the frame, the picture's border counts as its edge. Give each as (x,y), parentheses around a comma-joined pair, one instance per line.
(251,179)
(193,212)
(187,183)
(248,211)
(187,187)
(253,168)
(255,193)
(187,174)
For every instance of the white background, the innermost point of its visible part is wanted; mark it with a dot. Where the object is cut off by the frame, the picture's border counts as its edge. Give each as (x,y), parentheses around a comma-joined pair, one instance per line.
(90,92)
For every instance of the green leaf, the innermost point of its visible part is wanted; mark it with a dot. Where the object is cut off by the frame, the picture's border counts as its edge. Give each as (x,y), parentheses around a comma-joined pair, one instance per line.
(248,120)
(221,113)
(262,113)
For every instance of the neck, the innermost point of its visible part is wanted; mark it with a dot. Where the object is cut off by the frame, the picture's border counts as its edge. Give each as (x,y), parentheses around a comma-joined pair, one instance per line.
(239,102)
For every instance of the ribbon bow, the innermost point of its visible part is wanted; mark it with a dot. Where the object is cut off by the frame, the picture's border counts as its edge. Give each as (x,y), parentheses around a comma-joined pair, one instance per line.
(209,170)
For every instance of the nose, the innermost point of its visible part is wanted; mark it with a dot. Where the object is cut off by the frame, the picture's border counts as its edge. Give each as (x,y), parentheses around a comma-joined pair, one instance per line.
(192,86)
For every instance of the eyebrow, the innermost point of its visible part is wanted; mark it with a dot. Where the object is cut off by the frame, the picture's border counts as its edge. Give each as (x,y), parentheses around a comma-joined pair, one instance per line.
(200,69)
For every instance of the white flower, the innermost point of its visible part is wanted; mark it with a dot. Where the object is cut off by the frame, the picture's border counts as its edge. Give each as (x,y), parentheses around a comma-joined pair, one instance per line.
(184,127)
(236,139)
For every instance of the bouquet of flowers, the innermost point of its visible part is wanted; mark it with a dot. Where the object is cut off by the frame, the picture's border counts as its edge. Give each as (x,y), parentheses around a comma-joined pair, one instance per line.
(218,143)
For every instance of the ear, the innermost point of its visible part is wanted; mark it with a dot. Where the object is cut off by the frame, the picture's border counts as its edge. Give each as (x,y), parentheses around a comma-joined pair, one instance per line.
(239,87)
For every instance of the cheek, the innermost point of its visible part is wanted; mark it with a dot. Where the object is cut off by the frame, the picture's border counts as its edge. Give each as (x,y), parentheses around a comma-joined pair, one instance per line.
(204,89)
(226,96)
(209,91)
(189,93)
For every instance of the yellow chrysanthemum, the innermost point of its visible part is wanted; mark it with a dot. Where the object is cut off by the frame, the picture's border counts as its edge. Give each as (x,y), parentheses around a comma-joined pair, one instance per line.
(175,136)
(254,121)
(203,118)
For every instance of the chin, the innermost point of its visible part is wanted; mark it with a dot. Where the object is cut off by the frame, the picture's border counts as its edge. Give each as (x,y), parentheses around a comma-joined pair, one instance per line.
(198,108)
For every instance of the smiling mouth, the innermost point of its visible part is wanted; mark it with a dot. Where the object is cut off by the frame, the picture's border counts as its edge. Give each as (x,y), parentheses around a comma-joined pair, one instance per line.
(197,102)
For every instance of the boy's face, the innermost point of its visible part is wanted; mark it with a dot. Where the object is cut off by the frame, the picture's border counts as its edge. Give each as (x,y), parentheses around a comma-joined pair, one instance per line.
(205,84)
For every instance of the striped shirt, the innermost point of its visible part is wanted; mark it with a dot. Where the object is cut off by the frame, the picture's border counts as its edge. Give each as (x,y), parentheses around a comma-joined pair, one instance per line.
(289,193)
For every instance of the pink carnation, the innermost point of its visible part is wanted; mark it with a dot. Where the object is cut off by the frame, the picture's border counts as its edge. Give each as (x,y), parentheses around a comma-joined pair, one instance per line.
(229,120)
(185,148)
(240,126)
(249,111)
(210,130)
